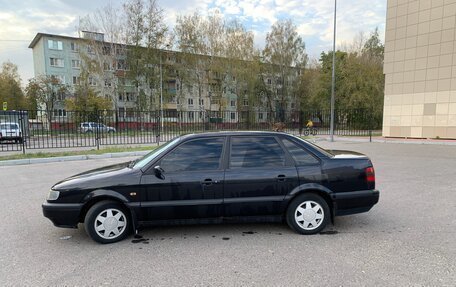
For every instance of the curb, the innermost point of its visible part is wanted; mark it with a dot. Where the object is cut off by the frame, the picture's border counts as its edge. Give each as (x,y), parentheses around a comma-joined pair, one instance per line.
(354,140)
(70,158)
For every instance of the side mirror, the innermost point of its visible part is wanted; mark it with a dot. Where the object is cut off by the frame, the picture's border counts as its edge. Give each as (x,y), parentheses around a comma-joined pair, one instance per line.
(159,172)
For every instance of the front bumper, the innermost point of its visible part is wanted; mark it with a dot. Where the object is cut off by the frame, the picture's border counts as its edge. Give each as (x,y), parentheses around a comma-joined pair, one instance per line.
(352,202)
(62,214)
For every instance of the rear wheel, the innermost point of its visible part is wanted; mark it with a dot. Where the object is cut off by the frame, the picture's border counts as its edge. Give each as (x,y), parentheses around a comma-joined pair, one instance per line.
(107,222)
(308,214)
(306,132)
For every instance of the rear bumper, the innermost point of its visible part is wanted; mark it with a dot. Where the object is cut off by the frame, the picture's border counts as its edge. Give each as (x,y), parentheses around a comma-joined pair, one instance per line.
(352,202)
(62,214)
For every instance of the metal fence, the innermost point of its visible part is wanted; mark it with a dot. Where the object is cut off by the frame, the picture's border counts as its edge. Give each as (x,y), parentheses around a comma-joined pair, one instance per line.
(40,129)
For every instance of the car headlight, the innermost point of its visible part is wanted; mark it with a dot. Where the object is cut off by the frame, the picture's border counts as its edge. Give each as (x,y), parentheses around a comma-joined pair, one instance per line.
(53,195)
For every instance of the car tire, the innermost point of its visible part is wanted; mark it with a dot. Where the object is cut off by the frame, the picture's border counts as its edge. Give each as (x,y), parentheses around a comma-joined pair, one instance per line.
(308,214)
(107,222)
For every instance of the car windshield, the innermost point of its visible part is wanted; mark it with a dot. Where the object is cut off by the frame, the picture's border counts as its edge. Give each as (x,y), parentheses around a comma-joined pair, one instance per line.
(141,162)
(8,127)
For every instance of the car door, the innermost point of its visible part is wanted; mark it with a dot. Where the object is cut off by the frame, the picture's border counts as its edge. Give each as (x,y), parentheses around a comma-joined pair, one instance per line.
(191,183)
(258,176)
(307,164)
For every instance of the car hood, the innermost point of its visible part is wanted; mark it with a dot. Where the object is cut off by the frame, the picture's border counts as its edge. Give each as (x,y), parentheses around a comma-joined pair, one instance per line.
(346,154)
(112,175)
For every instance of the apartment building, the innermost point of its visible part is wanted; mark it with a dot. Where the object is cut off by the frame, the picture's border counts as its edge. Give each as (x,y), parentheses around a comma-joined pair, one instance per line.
(420,69)
(63,56)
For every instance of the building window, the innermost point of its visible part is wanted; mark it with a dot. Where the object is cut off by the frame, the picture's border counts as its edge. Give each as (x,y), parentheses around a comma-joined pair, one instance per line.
(74,47)
(90,49)
(201,102)
(121,97)
(120,51)
(246,103)
(122,112)
(76,80)
(260,116)
(106,50)
(59,78)
(233,116)
(56,62)
(75,64)
(107,66)
(60,96)
(55,45)
(60,113)
(92,82)
(190,102)
(129,97)
(107,83)
(233,103)
(191,115)
(121,65)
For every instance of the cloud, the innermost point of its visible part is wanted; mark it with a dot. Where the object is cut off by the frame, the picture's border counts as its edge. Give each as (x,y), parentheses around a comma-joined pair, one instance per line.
(314,20)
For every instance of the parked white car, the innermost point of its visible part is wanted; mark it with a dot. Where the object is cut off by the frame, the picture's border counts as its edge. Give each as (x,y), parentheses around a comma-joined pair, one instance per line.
(91,127)
(10,132)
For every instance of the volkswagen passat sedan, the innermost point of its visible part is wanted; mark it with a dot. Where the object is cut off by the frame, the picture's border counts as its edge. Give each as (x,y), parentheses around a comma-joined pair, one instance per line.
(211,177)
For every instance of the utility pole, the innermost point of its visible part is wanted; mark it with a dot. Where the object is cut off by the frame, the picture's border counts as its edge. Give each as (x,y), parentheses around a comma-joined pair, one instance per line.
(333,81)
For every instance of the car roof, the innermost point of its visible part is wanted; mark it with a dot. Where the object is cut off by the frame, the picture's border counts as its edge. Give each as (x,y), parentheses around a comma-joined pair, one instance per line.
(232,133)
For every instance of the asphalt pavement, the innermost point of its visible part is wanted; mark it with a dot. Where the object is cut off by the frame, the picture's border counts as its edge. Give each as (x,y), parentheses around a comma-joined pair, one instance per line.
(407,239)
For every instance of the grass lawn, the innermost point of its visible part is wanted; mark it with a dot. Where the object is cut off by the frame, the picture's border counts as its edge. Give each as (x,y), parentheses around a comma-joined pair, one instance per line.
(79,152)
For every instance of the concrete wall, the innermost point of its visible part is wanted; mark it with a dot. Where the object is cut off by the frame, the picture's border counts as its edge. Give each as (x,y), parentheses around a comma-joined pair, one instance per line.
(420,69)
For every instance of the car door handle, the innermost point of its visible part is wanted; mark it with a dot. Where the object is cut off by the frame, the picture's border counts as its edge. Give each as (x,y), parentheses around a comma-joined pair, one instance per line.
(209,181)
(281,177)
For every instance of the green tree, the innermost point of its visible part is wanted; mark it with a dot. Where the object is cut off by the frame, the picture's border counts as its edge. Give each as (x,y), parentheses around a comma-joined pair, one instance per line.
(146,36)
(10,87)
(285,55)
(105,58)
(359,79)
(46,91)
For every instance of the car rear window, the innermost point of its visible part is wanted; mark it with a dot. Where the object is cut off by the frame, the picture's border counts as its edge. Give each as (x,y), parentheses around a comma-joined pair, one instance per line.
(299,154)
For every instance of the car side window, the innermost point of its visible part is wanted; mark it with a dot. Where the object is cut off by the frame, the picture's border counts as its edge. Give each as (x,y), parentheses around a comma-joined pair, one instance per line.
(299,154)
(201,154)
(256,152)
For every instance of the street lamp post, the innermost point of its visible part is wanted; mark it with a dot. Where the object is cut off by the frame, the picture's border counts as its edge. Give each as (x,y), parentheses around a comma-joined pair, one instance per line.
(333,80)
(161,88)
(161,93)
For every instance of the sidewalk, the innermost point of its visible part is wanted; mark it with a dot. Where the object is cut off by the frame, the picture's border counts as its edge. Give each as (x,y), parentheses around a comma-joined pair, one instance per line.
(379,139)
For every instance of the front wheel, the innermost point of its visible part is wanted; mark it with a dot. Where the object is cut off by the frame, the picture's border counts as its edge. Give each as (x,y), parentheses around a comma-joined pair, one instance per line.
(314,132)
(107,222)
(308,214)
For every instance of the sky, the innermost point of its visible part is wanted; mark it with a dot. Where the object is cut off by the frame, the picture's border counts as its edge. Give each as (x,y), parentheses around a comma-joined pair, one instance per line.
(21,20)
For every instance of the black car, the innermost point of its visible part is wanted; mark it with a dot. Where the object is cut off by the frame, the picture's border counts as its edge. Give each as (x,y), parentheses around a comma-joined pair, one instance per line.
(213,177)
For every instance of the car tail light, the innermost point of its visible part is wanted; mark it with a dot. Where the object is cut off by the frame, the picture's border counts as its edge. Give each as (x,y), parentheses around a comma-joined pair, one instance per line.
(370,175)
